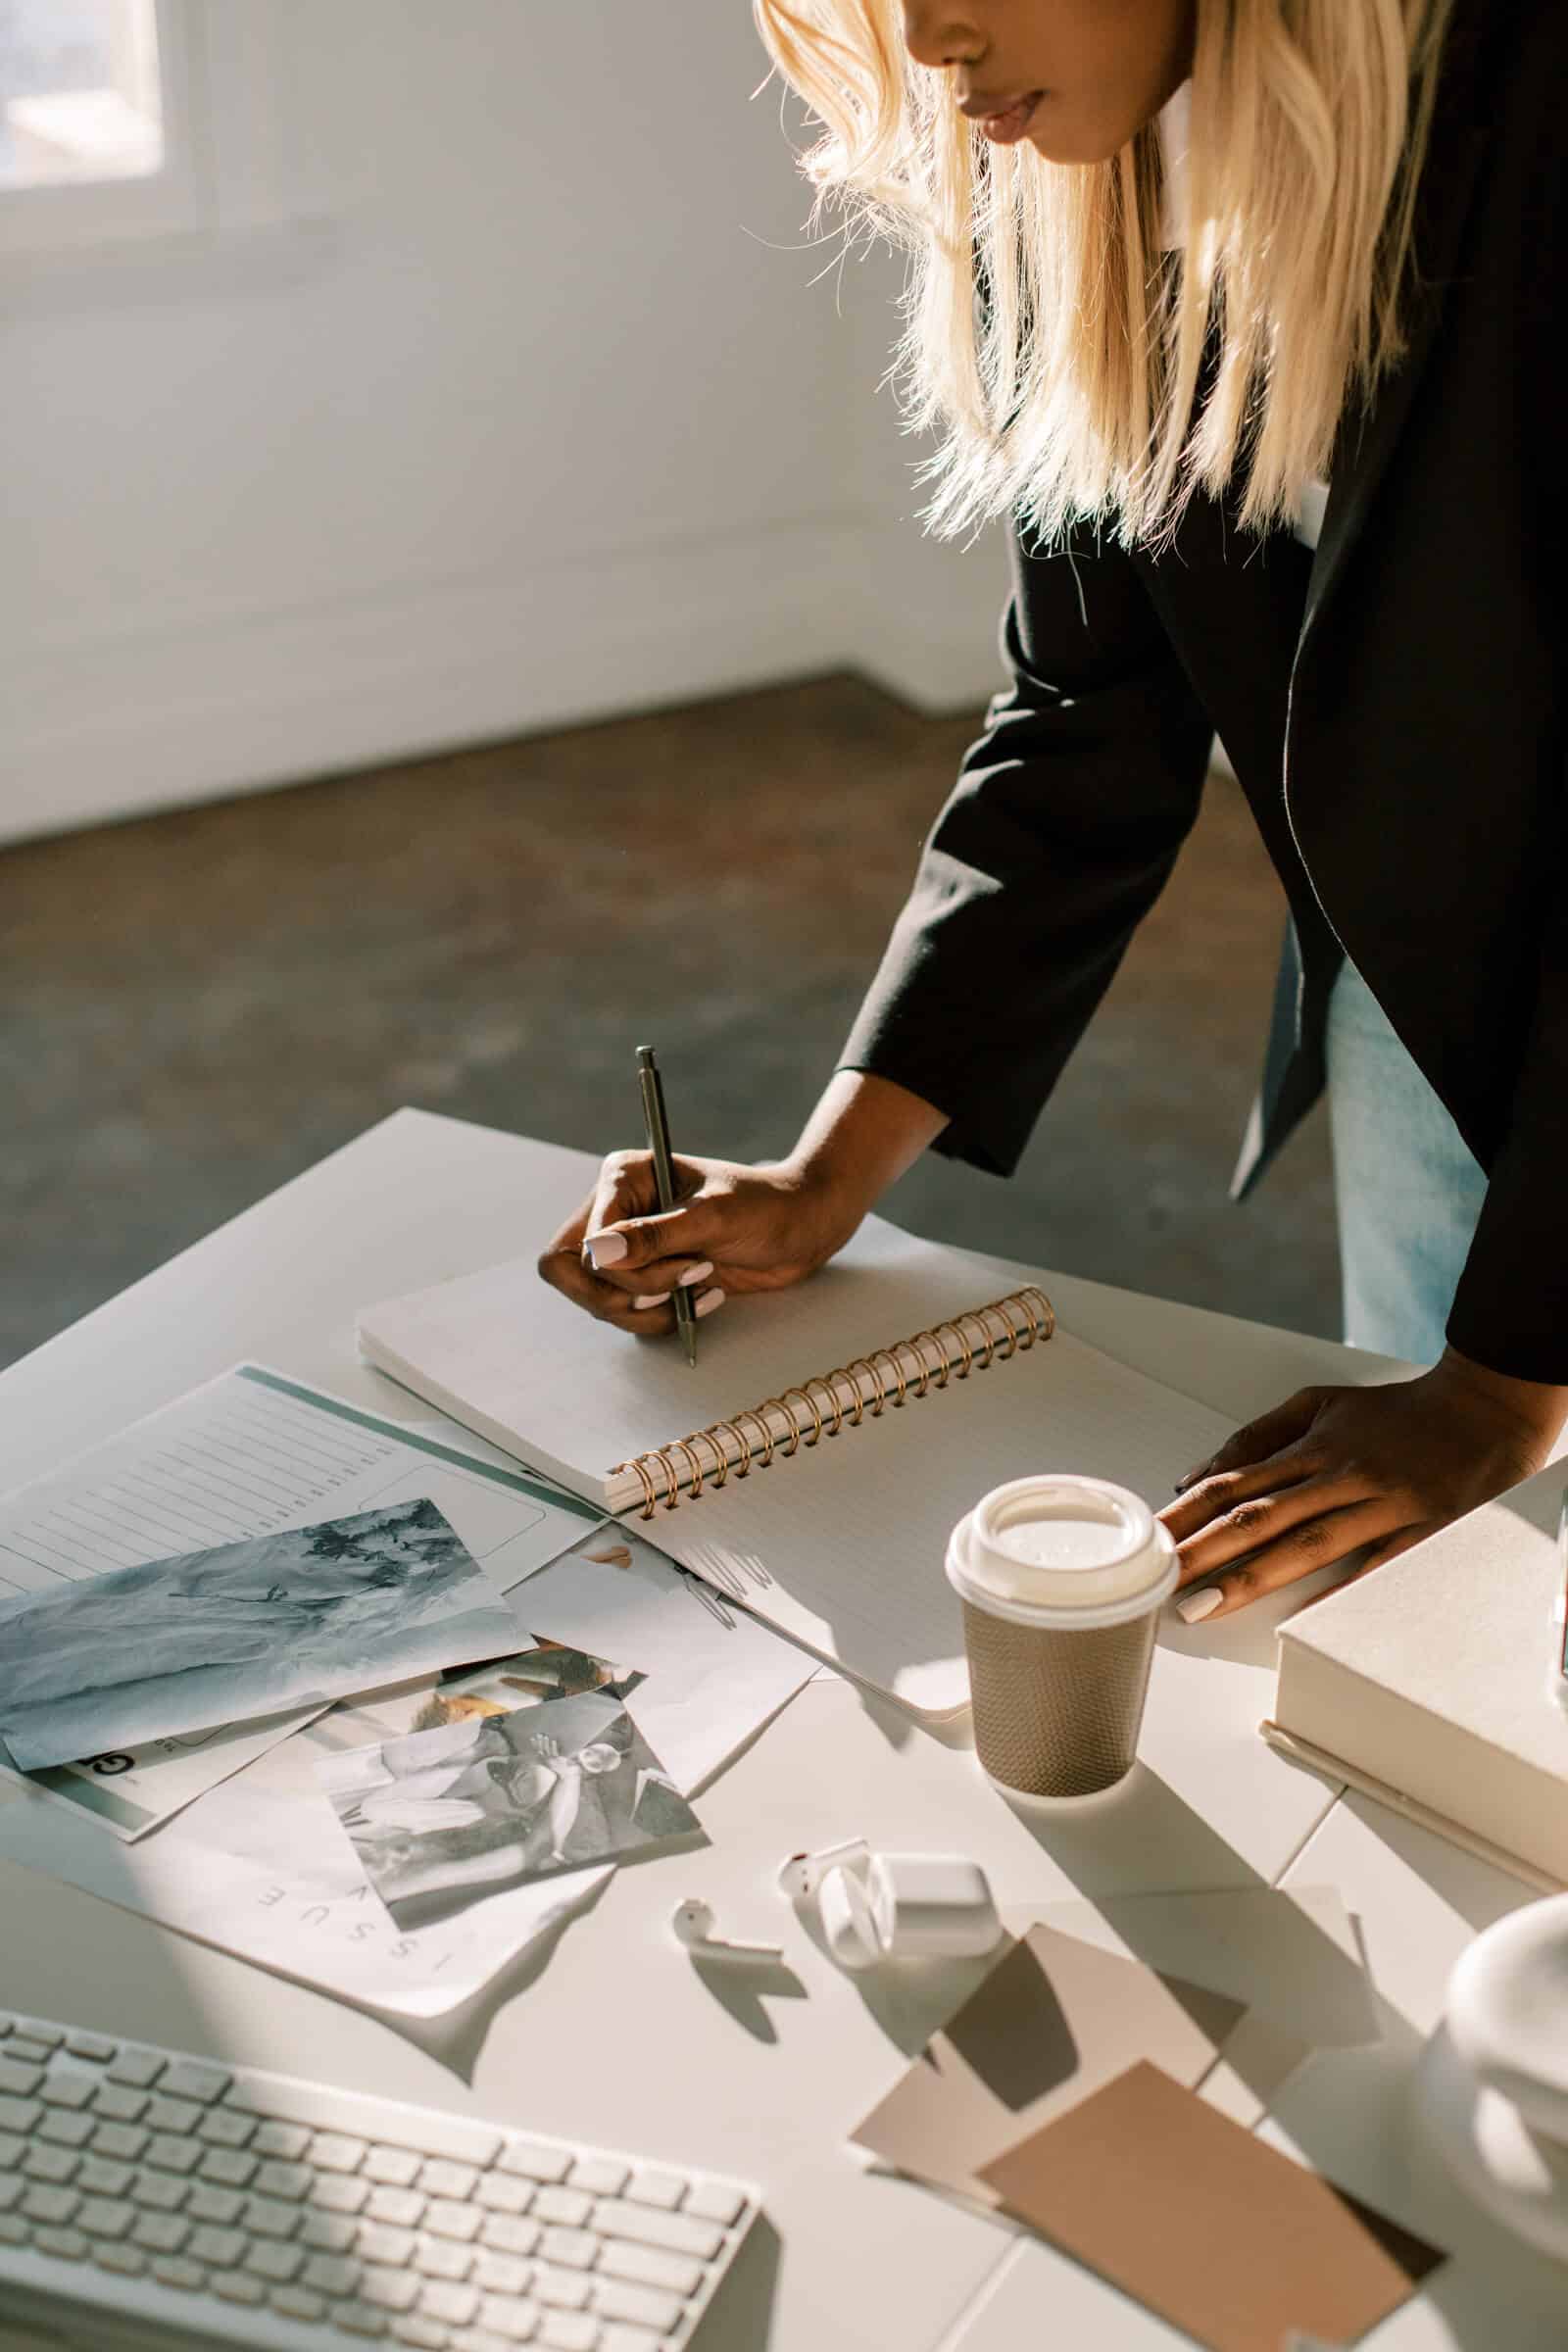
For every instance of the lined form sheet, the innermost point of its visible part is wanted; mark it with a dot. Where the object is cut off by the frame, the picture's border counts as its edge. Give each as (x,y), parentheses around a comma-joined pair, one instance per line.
(249,1453)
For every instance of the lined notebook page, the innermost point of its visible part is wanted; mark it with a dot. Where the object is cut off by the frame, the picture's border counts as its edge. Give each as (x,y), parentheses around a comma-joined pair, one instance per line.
(842,1546)
(511,1357)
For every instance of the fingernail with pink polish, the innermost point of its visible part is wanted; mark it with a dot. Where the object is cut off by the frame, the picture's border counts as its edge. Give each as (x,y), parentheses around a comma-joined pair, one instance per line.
(705,1305)
(1194,1607)
(659,1299)
(605,1249)
(695,1274)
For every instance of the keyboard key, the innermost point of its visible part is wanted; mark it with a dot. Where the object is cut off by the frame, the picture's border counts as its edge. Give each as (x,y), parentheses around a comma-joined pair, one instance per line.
(444,2301)
(98,2178)
(437,2257)
(11,2189)
(66,2245)
(67,2086)
(600,2176)
(190,2078)
(20,2081)
(224,2128)
(613,2299)
(171,2155)
(66,2130)
(105,2217)
(14,2230)
(274,2262)
(34,2043)
(175,2269)
(160,2232)
(120,2105)
(230,2168)
(440,2177)
(619,2337)
(388,2289)
(291,2182)
(224,2247)
(337,2152)
(675,2272)
(576,2248)
(12,2144)
(566,2205)
(402,2207)
(379,2241)
(110,2254)
(328,2232)
(269,2218)
(509,2233)
(445,2219)
(160,2191)
(713,2201)
(663,2190)
(331,2275)
(204,2203)
(18,2115)
(180,2116)
(44,2163)
(533,2161)
(568,2331)
(510,2318)
(140,2069)
(297,2302)
(123,2142)
(502,2192)
(359,2319)
(91,2045)
(564,2291)
(399,2168)
(281,2139)
(675,2233)
(409,2327)
(238,2286)
(45,2204)
(334,2192)
(501,2274)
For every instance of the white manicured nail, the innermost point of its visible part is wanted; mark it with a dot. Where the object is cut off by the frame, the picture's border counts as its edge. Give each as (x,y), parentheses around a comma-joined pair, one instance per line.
(605,1249)
(659,1299)
(707,1301)
(694,1273)
(1194,1607)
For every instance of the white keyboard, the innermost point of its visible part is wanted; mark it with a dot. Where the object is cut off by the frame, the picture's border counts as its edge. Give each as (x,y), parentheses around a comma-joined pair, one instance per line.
(149,2197)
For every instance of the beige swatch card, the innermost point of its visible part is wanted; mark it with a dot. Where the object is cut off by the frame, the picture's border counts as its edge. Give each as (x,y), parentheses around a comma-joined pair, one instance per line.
(1205,2224)
(1055,2020)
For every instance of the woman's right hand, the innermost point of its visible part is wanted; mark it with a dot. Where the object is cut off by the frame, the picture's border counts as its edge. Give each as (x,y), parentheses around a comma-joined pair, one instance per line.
(737,1228)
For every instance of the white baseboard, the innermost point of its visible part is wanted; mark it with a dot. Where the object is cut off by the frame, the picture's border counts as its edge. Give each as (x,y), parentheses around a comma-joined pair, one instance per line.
(207,707)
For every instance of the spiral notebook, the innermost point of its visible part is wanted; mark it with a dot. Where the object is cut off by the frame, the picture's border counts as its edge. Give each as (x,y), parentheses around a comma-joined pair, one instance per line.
(814,1463)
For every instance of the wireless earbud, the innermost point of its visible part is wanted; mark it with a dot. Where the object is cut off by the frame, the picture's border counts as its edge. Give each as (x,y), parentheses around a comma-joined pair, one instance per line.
(799,1878)
(692,1923)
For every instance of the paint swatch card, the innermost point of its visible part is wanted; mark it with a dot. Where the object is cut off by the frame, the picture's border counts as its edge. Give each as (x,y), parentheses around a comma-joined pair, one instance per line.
(1203,2222)
(1052,2022)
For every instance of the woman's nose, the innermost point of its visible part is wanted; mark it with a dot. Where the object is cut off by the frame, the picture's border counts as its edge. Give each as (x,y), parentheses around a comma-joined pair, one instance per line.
(939,35)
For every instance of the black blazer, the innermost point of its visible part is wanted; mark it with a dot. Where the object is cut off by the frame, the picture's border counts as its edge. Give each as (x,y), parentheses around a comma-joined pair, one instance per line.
(1393,706)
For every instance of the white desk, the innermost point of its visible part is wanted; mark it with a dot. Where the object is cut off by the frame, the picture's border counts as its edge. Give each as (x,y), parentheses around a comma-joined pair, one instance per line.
(614,2034)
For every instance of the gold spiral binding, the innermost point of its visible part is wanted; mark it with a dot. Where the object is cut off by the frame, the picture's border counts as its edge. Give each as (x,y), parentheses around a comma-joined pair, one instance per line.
(1037,1320)
(835,1402)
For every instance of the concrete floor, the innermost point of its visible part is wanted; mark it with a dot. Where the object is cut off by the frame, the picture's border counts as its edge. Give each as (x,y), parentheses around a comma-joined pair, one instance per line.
(200,1005)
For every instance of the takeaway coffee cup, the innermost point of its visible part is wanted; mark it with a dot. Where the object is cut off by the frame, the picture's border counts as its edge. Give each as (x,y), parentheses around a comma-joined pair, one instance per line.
(1061,1580)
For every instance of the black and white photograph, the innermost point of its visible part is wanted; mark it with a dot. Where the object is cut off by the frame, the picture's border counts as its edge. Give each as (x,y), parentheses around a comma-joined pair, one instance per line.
(440,1818)
(245,1630)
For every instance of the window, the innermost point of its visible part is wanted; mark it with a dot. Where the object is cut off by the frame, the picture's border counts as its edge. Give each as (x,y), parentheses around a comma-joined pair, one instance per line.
(80,95)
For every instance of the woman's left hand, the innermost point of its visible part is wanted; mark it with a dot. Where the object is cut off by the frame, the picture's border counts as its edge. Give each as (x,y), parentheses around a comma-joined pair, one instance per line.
(1332,1471)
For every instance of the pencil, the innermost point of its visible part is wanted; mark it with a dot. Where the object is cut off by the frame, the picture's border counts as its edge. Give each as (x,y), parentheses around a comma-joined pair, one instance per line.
(658,1125)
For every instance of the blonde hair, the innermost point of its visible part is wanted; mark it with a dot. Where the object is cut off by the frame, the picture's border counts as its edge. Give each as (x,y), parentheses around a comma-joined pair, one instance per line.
(1080,384)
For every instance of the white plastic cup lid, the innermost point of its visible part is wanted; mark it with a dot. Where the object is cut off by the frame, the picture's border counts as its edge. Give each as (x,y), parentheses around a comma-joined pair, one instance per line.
(1058,1547)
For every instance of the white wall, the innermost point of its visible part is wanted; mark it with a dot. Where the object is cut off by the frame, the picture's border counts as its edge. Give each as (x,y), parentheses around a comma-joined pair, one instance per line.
(550,424)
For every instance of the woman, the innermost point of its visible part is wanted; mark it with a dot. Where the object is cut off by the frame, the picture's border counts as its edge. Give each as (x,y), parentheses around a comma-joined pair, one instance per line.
(1178,267)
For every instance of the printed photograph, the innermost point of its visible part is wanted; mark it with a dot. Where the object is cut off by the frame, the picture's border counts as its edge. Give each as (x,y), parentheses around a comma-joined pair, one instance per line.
(247,1630)
(440,1818)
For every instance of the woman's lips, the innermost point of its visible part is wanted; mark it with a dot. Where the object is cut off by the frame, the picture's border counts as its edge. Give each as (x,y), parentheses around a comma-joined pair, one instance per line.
(1007,125)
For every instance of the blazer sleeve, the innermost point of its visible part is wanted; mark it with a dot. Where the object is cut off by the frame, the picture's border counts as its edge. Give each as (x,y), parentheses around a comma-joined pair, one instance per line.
(1059,835)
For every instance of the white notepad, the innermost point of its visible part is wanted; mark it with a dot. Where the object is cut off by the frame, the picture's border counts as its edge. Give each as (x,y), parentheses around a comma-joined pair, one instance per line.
(782,1469)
